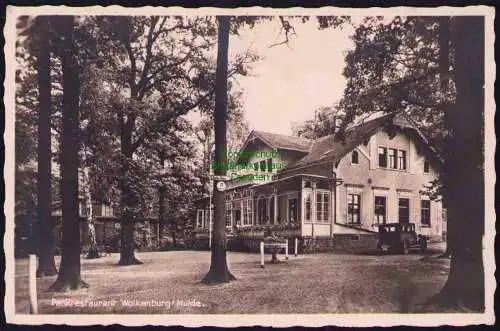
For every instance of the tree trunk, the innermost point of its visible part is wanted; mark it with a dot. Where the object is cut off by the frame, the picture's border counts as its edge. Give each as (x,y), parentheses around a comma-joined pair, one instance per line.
(219,271)
(444,65)
(128,201)
(45,238)
(161,200)
(174,239)
(464,176)
(161,211)
(93,252)
(69,270)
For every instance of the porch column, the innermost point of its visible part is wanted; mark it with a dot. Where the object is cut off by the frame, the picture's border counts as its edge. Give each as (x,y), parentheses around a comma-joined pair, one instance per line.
(313,209)
(241,212)
(332,206)
(302,201)
(275,215)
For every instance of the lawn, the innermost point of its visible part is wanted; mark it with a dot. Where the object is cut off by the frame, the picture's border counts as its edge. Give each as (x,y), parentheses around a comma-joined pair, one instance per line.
(169,282)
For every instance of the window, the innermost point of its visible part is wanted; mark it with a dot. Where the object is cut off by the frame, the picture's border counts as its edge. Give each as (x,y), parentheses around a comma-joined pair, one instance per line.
(256,166)
(402,160)
(355,157)
(353,208)
(392,158)
(426,166)
(425,212)
(292,210)
(404,210)
(206,223)
(322,206)
(107,210)
(382,157)
(263,166)
(229,213)
(247,212)
(262,211)
(269,165)
(380,209)
(308,207)
(199,218)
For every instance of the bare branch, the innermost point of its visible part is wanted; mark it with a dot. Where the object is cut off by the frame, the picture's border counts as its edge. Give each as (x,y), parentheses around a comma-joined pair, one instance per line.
(289,31)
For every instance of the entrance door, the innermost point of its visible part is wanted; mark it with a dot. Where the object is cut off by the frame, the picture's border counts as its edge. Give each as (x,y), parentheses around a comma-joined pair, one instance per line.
(237,217)
(404,210)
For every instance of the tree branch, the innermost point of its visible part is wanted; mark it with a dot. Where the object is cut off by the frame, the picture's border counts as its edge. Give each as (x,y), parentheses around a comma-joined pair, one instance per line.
(149,45)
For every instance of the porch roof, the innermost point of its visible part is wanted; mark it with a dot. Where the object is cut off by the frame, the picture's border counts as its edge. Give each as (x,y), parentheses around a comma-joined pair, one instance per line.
(279,141)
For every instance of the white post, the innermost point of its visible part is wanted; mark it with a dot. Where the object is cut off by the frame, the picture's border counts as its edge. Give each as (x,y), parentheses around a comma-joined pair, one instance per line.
(286,249)
(158,234)
(296,247)
(210,223)
(262,254)
(210,202)
(32,284)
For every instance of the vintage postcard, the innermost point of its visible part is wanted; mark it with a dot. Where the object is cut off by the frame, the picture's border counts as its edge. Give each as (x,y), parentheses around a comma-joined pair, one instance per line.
(250,166)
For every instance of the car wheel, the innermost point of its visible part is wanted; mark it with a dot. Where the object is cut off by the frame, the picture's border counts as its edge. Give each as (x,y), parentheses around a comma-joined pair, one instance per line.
(405,247)
(423,246)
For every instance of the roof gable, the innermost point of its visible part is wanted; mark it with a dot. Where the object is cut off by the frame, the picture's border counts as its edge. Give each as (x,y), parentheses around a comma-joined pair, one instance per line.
(332,148)
(279,141)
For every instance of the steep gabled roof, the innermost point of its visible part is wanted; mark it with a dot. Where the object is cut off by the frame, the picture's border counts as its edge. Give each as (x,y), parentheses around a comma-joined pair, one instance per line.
(332,148)
(280,141)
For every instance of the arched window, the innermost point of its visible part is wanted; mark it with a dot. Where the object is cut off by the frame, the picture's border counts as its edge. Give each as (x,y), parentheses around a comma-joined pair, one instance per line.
(354,157)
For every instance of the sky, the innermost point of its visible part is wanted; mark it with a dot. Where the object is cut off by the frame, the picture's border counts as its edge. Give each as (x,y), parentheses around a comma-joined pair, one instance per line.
(290,81)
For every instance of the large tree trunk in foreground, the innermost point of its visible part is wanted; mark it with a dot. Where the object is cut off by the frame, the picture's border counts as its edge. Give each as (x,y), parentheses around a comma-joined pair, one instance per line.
(464,174)
(219,271)
(128,202)
(127,243)
(69,270)
(162,208)
(444,68)
(45,247)
(161,212)
(93,252)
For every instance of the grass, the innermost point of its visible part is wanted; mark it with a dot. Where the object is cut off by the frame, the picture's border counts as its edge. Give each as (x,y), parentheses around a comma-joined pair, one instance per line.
(319,283)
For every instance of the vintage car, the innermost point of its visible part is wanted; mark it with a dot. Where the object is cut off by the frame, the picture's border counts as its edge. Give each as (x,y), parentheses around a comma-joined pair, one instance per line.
(400,238)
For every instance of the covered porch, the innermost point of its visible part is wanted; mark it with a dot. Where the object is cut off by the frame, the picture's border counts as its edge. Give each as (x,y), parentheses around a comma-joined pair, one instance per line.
(301,205)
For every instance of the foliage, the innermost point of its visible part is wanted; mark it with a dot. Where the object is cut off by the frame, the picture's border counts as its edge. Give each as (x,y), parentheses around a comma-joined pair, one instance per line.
(321,125)
(394,67)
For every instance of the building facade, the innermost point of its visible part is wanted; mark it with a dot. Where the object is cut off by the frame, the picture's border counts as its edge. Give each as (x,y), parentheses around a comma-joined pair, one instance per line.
(333,192)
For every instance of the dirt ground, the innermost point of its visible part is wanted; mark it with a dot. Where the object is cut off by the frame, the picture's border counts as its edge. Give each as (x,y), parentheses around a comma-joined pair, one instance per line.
(169,282)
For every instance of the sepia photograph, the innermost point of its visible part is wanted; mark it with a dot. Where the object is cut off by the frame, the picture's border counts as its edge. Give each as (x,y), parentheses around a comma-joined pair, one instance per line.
(249,166)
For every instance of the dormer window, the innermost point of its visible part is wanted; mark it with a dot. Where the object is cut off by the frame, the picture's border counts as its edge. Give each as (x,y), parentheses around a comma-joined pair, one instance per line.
(263,166)
(354,157)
